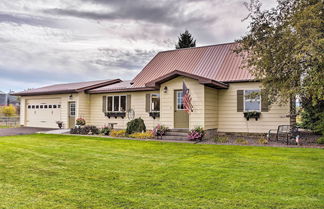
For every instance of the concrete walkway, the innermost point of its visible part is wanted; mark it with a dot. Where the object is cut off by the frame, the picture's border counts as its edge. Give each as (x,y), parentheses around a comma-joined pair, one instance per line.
(57,131)
(22,131)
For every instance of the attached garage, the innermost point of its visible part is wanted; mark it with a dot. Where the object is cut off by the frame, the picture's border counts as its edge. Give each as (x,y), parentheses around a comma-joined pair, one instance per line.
(43,112)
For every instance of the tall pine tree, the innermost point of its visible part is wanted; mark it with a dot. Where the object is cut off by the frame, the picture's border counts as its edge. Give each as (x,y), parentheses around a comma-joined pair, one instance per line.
(185,40)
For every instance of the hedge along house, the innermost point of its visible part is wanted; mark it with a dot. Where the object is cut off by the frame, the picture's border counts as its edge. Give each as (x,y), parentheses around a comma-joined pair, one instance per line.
(219,89)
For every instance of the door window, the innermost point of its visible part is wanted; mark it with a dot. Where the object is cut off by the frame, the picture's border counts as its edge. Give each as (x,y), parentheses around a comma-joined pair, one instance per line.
(72,109)
(179,100)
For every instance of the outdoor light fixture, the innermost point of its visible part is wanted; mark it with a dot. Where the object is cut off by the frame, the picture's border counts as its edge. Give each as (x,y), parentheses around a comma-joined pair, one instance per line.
(71,96)
(165,90)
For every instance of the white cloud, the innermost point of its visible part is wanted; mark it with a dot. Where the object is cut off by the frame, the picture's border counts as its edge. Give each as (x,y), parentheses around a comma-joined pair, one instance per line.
(44,42)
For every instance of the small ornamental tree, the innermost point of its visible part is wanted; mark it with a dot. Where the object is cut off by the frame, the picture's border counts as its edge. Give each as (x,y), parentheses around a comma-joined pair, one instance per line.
(185,40)
(8,111)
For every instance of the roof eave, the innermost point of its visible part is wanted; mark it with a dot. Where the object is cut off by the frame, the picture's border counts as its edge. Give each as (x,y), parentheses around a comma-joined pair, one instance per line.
(205,81)
(122,90)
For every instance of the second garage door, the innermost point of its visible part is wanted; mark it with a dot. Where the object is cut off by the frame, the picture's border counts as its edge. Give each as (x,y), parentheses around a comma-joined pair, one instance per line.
(43,113)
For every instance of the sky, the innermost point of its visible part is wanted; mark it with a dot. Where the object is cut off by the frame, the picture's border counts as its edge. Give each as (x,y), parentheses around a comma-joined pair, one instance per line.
(45,42)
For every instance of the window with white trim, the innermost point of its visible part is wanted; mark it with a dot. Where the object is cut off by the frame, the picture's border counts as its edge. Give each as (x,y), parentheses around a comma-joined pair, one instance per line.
(116,103)
(179,95)
(155,102)
(252,100)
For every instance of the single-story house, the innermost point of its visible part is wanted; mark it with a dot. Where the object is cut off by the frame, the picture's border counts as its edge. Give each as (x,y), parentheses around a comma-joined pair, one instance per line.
(218,86)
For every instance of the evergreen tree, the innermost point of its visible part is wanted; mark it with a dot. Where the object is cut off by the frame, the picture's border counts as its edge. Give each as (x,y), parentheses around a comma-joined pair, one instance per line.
(185,40)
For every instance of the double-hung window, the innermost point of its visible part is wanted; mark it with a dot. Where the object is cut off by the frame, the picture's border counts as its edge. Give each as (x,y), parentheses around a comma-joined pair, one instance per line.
(116,103)
(252,100)
(155,102)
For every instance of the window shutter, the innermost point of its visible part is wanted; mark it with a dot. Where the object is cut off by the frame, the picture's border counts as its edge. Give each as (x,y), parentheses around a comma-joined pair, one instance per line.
(264,102)
(147,106)
(104,104)
(129,102)
(240,100)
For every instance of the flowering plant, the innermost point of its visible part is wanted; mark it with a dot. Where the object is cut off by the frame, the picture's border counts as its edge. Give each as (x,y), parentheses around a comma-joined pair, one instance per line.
(80,122)
(160,130)
(196,134)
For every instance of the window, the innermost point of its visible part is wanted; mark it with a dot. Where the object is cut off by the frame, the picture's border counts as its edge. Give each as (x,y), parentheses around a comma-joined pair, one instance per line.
(58,106)
(179,100)
(41,106)
(49,106)
(45,106)
(116,103)
(29,106)
(33,106)
(54,106)
(155,102)
(37,106)
(252,100)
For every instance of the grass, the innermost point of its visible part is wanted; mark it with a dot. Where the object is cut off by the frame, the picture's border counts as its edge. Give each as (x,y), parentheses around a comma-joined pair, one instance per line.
(52,171)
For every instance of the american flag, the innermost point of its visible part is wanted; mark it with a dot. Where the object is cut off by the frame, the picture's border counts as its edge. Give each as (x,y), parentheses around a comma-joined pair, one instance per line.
(186,99)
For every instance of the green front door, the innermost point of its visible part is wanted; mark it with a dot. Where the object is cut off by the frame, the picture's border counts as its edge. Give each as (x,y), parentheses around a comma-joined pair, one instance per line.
(181,117)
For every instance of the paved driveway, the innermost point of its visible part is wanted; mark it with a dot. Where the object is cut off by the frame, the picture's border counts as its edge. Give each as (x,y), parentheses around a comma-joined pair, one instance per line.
(21,131)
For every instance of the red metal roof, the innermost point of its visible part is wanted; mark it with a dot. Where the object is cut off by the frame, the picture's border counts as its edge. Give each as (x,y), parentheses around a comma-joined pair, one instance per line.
(216,62)
(124,86)
(67,88)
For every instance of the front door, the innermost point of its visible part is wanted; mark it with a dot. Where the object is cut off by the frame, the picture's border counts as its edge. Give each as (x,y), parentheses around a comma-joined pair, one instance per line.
(71,114)
(181,117)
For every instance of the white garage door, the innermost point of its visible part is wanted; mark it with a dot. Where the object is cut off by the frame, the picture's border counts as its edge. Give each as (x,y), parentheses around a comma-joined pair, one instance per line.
(43,113)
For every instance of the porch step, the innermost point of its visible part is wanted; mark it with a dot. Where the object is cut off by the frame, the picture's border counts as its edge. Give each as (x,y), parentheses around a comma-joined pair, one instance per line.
(182,130)
(176,134)
(165,137)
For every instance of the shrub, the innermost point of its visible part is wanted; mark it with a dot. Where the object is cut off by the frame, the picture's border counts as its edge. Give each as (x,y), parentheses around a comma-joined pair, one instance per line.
(117,133)
(8,111)
(144,135)
(263,141)
(221,139)
(136,125)
(105,130)
(320,140)
(80,121)
(241,141)
(86,130)
(160,130)
(196,134)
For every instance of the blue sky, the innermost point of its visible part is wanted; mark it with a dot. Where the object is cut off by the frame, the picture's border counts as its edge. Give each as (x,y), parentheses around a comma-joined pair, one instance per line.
(46,42)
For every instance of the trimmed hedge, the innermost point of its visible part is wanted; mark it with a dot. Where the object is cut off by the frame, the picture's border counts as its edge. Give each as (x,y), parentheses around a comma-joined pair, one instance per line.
(85,130)
(136,125)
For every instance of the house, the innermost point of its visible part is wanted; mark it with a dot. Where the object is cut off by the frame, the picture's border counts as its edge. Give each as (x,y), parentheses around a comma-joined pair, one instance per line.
(217,84)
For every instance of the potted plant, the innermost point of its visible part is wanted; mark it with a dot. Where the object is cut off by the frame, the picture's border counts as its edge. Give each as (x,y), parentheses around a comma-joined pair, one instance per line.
(160,130)
(252,114)
(80,122)
(196,134)
(60,124)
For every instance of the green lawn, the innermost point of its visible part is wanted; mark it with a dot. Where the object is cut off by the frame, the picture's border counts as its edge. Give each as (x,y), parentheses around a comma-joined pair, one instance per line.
(52,171)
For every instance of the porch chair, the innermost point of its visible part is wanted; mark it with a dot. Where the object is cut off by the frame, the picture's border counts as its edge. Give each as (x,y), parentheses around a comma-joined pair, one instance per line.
(286,133)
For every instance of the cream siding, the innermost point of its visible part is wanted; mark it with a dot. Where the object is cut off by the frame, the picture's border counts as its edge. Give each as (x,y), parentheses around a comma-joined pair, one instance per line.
(138,101)
(22,111)
(229,120)
(211,108)
(83,106)
(196,118)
